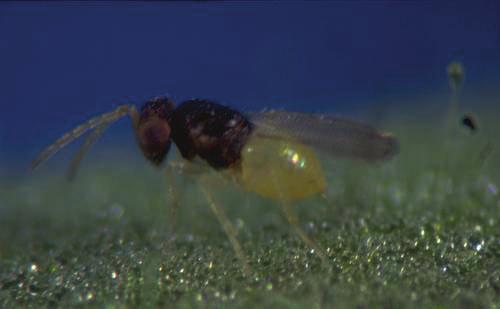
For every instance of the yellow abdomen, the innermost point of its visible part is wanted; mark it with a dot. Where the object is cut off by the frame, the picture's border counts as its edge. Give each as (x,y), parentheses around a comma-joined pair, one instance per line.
(280,169)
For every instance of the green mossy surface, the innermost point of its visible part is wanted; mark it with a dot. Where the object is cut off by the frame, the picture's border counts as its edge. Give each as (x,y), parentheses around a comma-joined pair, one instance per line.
(420,231)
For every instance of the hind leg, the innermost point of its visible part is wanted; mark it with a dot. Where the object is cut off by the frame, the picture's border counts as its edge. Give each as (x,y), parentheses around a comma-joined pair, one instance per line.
(293,219)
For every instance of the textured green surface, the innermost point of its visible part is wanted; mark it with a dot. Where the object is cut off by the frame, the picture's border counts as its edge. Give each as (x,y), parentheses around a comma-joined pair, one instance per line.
(414,232)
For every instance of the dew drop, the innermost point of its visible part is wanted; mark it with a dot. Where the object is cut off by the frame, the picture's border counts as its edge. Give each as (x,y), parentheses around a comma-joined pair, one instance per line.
(413,296)
(34,268)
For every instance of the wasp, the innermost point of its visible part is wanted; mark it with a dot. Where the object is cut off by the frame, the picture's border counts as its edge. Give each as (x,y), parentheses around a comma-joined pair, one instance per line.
(271,153)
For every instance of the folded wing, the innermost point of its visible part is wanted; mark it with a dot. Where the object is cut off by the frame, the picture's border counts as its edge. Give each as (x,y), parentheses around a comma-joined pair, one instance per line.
(330,134)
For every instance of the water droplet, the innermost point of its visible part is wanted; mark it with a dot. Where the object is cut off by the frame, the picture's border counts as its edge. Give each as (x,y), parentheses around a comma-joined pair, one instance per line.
(232,296)
(34,268)
(269,286)
(114,275)
(413,296)
(479,247)
(311,225)
(59,280)
(89,296)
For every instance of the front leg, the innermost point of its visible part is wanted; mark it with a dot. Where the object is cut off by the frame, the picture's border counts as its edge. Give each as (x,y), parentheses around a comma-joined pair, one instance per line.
(175,172)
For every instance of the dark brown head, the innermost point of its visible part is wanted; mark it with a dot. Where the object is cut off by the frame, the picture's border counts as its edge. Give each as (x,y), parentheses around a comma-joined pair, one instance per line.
(154,131)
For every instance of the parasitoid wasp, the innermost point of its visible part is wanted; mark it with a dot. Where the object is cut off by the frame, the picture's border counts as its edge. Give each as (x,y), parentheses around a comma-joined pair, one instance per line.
(271,153)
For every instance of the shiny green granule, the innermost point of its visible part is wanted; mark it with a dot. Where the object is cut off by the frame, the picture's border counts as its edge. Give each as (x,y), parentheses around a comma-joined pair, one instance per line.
(410,233)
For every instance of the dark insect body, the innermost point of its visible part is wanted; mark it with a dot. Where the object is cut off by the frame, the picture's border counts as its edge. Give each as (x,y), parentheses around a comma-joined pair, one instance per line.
(470,122)
(202,128)
(213,132)
(269,153)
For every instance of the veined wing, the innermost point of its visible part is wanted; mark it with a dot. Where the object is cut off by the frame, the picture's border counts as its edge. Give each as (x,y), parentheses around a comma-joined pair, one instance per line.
(331,134)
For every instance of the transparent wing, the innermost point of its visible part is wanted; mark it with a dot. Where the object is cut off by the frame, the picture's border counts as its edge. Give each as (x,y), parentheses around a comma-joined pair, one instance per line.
(103,119)
(331,134)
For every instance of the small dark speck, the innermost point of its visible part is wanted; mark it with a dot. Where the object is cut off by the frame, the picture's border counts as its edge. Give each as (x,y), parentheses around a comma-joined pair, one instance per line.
(470,122)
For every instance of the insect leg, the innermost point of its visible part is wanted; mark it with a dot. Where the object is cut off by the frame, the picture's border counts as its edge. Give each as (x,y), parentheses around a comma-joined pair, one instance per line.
(173,203)
(294,221)
(292,218)
(229,229)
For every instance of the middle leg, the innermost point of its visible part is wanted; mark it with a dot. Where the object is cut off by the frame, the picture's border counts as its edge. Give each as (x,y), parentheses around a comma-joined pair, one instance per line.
(229,229)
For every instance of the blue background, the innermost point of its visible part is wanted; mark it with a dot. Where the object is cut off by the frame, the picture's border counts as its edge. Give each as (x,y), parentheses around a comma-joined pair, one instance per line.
(61,63)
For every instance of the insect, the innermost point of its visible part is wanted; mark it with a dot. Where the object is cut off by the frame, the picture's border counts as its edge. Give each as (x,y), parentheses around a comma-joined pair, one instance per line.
(470,122)
(270,153)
